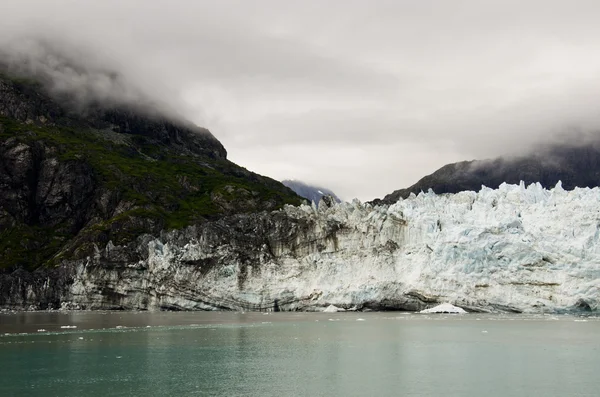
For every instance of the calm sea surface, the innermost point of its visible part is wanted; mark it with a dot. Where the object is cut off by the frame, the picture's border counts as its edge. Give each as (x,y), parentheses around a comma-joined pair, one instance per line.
(297,354)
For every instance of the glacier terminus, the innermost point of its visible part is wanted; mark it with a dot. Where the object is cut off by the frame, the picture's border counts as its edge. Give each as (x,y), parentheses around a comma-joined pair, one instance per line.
(516,248)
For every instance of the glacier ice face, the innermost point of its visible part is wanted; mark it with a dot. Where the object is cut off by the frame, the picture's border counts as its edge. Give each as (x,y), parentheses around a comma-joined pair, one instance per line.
(513,248)
(527,248)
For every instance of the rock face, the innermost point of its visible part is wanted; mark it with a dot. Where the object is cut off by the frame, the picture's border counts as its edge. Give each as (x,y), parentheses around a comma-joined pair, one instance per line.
(74,178)
(574,166)
(509,249)
(37,188)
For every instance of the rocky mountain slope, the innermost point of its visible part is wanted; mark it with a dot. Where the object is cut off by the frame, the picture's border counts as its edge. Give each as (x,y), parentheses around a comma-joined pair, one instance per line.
(73,179)
(309,192)
(575,166)
(510,249)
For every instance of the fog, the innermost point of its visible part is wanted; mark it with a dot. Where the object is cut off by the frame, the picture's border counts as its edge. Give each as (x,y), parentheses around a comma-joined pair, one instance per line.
(363,98)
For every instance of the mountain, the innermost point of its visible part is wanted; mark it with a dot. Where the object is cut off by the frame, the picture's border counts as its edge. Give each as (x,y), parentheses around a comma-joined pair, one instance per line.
(73,178)
(309,192)
(575,166)
(121,207)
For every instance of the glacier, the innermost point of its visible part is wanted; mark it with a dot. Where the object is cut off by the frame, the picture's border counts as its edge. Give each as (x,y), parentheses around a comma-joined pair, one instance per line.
(516,248)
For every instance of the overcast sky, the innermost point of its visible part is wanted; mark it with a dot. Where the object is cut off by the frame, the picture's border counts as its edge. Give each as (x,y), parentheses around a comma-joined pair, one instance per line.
(363,97)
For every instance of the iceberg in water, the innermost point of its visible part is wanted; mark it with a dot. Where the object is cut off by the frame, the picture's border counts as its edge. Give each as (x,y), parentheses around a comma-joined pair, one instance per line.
(444,308)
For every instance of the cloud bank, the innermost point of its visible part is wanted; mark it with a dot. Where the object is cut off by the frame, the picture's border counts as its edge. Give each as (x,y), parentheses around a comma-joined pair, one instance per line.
(361,98)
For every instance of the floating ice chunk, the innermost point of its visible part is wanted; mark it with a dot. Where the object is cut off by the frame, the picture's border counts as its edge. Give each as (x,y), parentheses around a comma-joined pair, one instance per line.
(333,309)
(444,308)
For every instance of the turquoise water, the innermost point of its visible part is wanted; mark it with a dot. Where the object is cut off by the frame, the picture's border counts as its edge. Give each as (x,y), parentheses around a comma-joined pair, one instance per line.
(298,354)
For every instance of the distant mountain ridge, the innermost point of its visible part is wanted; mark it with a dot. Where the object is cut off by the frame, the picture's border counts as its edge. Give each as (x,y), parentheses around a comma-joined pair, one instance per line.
(575,166)
(309,192)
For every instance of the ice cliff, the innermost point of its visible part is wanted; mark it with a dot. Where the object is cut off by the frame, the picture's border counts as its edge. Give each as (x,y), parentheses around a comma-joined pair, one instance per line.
(514,248)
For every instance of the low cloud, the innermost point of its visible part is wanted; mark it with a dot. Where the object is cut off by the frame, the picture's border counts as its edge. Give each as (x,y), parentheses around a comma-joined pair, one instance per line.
(72,71)
(363,99)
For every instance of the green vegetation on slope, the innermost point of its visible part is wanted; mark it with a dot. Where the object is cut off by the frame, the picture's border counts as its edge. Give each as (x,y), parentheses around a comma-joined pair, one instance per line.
(150,187)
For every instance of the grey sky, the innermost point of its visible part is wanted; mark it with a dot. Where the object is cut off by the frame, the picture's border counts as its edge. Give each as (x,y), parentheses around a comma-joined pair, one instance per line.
(363,97)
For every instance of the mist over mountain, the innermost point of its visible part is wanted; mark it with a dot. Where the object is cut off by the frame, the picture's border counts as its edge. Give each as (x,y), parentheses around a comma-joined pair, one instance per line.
(392,88)
(576,165)
(309,192)
(80,80)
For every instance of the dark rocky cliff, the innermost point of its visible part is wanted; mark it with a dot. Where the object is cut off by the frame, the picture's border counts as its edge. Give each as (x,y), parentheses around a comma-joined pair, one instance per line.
(72,177)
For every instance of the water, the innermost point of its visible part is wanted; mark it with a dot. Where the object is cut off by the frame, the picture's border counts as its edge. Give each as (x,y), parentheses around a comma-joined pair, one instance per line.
(298,354)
